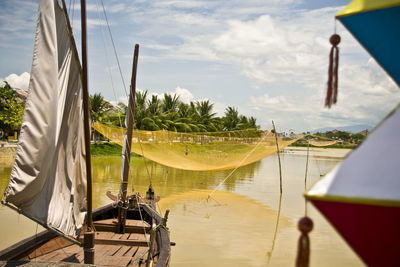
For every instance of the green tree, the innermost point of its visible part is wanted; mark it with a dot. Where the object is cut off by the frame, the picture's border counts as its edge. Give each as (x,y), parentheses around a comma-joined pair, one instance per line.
(98,107)
(253,123)
(206,116)
(154,105)
(170,103)
(169,113)
(117,118)
(11,109)
(357,138)
(98,110)
(231,118)
(140,109)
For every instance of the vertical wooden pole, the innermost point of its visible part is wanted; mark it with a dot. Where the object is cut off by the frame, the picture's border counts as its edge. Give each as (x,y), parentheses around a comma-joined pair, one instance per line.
(123,205)
(269,254)
(279,157)
(89,235)
(306,174)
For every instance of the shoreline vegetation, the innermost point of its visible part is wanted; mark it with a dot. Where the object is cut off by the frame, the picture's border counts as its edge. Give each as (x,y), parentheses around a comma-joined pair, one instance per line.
(339,146)
(113,149)
(104,148)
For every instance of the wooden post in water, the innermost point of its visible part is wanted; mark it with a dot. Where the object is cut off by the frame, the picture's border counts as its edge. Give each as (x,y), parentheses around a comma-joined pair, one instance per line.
(88,245)
(305,175)
(123,205)
(279,157)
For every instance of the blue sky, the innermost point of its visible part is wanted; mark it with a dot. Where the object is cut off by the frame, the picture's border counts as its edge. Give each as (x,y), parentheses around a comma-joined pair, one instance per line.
(267,58)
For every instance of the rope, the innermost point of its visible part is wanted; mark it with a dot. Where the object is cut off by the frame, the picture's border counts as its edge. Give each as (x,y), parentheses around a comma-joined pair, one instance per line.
(126,94)
(115,51)
(108,61)
(239,164)
(123,81)
(141,217)
(72,15)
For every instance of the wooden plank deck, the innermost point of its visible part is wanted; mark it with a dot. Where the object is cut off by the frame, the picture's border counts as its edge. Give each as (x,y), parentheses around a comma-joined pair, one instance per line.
(129,249)
(41,264)
(111,249)
(132,226)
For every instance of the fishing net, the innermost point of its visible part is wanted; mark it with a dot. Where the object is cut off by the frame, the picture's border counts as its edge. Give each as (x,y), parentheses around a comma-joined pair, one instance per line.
(320,141)
(200,151)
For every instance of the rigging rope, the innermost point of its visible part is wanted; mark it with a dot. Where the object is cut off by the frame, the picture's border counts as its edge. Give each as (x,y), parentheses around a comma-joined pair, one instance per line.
(123,81)
(108,60)
(230,174)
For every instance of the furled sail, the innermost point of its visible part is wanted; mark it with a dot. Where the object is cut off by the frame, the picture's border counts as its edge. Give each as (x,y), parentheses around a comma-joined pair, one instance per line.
(200,151)
(48,179)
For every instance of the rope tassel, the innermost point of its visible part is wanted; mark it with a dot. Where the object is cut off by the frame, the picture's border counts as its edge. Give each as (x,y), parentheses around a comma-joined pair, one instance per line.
(331,94)
(303,250)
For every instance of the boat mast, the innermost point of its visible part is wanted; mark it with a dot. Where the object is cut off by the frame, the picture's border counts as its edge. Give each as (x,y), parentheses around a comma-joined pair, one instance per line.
(123,205)
(89,235)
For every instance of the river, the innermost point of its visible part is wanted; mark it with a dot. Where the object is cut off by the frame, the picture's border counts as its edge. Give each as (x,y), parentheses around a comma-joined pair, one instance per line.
(236,224)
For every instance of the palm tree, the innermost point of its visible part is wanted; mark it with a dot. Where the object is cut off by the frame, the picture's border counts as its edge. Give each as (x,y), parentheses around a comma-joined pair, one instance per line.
(117,118)
(183,110)
(231,118)
(98,106)
(98,109)
(206,117)
(252,123)
(204,109)
(170,103)
(154,105)
(140,108)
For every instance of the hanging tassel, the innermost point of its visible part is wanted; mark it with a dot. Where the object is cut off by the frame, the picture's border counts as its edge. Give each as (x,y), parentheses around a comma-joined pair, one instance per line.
(331,94)
(303,250)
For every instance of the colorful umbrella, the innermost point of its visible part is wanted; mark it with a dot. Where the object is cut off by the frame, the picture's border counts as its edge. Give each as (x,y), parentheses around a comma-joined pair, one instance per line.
(361,197)
(376,25)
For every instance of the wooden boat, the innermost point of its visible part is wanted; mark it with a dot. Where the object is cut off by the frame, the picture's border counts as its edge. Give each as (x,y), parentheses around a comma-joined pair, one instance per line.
(111,248)
(51,179)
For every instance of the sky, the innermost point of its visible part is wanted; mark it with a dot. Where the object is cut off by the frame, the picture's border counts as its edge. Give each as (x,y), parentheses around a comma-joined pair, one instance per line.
(268,58)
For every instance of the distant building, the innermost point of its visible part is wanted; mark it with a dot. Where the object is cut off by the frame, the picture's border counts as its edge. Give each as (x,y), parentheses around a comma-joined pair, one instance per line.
(364,132)
(21,95)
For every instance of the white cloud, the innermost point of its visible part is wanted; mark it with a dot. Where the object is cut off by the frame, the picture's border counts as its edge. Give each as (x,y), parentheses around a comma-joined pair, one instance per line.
(18,81)
(272,57)
(184,94)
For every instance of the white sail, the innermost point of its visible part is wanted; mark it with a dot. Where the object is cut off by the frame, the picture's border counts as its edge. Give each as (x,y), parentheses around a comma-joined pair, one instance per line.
(48,179)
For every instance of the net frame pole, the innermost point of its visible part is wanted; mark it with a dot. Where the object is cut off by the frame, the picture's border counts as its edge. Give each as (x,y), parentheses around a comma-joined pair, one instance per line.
(123,205)
(279,157)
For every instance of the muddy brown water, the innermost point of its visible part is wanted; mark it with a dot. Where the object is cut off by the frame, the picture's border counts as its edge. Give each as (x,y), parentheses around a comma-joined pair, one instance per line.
(236,224)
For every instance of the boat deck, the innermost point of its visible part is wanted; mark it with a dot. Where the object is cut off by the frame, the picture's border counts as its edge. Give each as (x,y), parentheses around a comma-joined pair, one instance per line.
(111,249)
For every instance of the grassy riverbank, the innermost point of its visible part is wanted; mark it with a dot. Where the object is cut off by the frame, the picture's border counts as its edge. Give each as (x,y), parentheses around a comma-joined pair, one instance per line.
(345,146)
(105,149)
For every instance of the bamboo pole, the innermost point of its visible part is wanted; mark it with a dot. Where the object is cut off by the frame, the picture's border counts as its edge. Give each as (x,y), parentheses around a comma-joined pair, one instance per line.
(269,254)
(279,157)
(306,174)
(123,205)
(89,235)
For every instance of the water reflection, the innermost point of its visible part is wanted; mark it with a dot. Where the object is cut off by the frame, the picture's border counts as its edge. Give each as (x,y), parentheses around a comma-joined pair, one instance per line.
(165,180)
(234,230)
(269,253)
(246,223)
